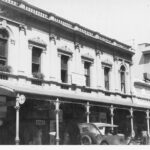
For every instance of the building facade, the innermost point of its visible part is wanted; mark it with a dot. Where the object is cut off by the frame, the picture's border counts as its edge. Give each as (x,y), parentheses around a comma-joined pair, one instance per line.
(54,71)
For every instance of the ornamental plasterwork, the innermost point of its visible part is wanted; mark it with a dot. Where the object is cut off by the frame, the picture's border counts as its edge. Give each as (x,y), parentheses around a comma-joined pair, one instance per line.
(106,63)
(87,57)
(38,42)
(53,38)
(65,50)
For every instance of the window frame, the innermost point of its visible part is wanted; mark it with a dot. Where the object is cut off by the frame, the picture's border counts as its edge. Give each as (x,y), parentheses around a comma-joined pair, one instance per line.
(87,73)
(107,78)
(123,79)
(62,68)
(4,37)
(33,63)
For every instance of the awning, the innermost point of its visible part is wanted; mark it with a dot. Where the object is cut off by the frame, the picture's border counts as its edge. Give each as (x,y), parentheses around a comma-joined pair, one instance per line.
(8,89)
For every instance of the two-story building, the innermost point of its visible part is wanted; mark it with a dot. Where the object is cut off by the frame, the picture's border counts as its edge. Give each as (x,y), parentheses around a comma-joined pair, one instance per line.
(53,71)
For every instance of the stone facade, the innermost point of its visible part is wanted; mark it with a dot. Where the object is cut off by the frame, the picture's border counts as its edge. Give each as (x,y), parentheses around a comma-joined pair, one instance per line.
(73,65)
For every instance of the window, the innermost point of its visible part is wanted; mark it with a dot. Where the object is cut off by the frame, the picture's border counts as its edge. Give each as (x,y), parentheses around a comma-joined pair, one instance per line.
(3,46)
(36,59)
(87,73)
(122,79)
(106,76)
(64,68)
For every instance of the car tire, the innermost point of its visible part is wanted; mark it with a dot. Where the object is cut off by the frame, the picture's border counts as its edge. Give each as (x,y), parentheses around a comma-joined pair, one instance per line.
(104,143)
(86,140)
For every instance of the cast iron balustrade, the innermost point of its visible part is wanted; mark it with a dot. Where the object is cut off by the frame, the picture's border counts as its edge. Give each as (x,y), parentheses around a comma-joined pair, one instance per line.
(36,82)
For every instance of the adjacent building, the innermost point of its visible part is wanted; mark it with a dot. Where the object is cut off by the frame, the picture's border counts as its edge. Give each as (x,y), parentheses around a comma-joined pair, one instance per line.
(53,71)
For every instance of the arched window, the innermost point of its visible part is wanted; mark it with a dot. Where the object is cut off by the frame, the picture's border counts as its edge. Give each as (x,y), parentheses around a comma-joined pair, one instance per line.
(3,46)
(122,78)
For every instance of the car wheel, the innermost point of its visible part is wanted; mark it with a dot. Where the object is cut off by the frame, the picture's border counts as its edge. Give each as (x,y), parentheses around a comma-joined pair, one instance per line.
(86,140)
(104,143)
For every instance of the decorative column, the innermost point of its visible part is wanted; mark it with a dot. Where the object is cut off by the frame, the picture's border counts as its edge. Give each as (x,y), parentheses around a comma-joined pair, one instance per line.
(112,115)
(77,47)
(147,118)
(53,57)
(98,68)
(131,116)
(88,112)
(20,99)
(116,81)
(57,110)
(22,50)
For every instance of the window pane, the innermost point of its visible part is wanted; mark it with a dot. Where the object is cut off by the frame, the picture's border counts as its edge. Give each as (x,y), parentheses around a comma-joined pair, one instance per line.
(64,76)
(87,73)
(122,76)
(36,59)
(64,62)
(35,68)
(3,48)
(106,74)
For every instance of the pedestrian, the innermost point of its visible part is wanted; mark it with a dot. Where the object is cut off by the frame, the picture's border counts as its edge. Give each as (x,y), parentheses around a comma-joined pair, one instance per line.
(72,134)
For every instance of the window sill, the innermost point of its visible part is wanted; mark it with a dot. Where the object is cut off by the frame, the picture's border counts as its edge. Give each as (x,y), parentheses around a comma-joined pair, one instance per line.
(86,89)
(65,86)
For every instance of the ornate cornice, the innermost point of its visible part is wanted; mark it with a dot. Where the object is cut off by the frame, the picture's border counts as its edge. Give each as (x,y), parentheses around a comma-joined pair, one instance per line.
(27,8)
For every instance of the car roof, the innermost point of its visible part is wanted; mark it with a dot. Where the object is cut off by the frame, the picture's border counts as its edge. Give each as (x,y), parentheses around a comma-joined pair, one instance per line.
(99,124)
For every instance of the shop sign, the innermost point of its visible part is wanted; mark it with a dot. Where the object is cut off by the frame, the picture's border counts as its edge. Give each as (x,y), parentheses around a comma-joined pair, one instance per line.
(103,117)
(40,122)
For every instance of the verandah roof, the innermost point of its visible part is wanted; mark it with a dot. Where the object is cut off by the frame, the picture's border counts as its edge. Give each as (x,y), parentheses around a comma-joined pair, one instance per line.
(7,89)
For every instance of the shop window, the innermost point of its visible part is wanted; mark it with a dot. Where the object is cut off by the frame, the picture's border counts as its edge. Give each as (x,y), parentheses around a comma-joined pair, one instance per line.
(87,73)
(3,46)
(36,60)
(122,78)
(107,78)
(64,68)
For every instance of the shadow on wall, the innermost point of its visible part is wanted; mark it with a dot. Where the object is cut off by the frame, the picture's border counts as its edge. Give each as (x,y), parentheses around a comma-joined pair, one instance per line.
(145,59)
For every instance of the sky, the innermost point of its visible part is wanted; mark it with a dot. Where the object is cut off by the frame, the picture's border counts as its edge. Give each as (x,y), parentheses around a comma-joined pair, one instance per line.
(127,21)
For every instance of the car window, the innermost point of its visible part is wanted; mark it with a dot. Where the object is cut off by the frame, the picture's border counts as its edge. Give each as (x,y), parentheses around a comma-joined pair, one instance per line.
(94,130)
(102,130)
(85,129)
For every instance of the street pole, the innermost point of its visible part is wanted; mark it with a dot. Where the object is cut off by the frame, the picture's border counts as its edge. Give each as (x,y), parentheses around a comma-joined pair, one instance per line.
(17,107)
(112,116)
(20,99)
(147,118)
(131,115)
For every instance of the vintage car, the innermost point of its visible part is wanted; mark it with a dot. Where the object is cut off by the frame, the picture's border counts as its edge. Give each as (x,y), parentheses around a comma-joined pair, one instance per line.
(100,133)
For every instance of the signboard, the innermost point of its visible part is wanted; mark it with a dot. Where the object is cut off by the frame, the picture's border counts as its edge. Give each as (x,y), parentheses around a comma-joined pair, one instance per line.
(40,122)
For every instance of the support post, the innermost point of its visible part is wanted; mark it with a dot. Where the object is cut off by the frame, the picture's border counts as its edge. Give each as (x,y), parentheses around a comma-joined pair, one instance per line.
(88,112)
(131,116)
(17,107)
(57,110)
(20,99)
(147,118)
(112,116)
